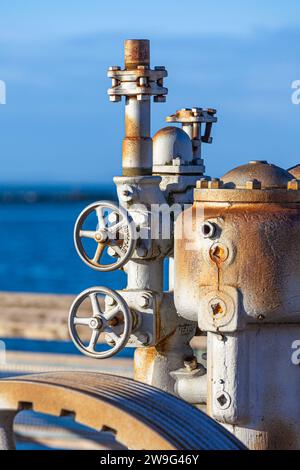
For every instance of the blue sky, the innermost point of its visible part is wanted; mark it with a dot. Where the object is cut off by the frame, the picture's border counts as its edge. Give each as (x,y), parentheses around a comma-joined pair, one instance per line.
(58,125)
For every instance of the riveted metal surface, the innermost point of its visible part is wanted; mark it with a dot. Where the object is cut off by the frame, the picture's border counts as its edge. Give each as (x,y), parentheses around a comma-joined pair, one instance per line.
(141,416)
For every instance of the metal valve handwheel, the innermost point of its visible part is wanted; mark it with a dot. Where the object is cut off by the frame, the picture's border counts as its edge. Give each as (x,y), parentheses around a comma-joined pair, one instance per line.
(114,236)
(113,321)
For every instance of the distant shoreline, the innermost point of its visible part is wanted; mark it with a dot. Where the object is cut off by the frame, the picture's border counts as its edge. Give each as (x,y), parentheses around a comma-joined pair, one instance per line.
(12,194)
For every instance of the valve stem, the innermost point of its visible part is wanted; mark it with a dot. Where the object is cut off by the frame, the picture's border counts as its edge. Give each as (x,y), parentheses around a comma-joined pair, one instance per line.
(137,82)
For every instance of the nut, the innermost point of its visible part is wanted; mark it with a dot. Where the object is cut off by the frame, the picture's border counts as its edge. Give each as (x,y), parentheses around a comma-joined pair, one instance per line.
(215,183)
(144,301)
(253,184)
(294,185)
(202,183)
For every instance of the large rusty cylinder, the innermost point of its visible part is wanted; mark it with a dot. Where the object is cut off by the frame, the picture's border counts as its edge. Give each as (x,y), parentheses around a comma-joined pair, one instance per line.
(237,274)
(137,52)
(248,268)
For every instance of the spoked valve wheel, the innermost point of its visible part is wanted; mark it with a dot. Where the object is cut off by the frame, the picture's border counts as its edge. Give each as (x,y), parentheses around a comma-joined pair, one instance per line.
(113,234)
(109,321)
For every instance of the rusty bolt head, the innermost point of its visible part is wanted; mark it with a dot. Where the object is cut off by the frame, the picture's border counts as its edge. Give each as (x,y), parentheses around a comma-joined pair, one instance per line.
(253,184)
(202,183)
(294,185)
(215,183)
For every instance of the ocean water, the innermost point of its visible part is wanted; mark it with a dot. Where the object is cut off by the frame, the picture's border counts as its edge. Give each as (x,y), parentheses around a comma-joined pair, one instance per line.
(37,252)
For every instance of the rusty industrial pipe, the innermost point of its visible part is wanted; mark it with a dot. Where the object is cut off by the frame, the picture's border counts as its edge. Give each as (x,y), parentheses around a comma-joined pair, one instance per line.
(138,83)
(137,143)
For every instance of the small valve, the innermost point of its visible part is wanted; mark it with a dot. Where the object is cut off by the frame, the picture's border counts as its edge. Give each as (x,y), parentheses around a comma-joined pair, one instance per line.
(111,319)
(192,120)
(114,236)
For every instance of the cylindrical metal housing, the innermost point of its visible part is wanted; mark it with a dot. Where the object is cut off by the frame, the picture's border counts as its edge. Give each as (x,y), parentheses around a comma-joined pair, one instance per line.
(237,273)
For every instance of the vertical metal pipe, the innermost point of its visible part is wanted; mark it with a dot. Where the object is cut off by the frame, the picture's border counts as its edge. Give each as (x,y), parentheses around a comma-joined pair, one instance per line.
(137,144)
(145,274)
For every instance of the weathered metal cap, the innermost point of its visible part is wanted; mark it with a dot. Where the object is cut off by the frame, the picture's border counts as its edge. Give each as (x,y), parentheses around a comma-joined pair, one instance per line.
(257,181)
(137,52)
(171,143)
(270,176)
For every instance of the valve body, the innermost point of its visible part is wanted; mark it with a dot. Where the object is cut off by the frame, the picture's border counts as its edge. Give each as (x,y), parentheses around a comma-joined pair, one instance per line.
(241,283)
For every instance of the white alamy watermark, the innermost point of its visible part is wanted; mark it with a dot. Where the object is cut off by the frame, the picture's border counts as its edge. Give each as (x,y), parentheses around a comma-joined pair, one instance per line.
(2,353)
(295,98)
(296,352)
(2,92)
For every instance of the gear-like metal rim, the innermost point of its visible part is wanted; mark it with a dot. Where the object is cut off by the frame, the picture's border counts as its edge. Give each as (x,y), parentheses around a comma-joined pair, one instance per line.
(141,416)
